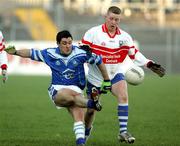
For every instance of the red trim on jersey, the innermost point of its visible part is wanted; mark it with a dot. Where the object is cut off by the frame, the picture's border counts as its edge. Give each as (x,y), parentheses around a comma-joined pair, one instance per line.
(109,55)
(2,46)
(105,29)
(86,42)
(133,56)
(4,66)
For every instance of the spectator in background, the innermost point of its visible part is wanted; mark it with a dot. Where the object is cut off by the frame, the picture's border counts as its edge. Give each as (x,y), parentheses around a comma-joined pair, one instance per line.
(3,58)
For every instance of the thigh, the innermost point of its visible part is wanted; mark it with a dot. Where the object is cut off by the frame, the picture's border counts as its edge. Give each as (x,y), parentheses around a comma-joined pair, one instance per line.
(119,88)
(63,95)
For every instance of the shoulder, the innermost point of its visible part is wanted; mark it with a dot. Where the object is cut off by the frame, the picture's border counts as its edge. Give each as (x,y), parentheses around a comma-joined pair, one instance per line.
(126,34)
(52,52)
(95,29)
(77,50)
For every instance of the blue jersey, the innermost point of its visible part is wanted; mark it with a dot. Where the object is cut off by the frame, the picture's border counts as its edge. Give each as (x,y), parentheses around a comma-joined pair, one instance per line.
(66,70)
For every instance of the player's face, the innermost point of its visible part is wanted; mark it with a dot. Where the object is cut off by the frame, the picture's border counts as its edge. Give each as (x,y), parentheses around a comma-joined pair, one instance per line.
(112,20)
(65,45)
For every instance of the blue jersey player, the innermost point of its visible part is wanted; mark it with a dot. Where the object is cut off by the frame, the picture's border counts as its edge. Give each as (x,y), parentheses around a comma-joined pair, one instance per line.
(66,62)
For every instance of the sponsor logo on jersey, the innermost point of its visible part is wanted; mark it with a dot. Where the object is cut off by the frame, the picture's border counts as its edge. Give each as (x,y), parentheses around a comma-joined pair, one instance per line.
(123,43)
(75,63)
(68,73)
(103,44)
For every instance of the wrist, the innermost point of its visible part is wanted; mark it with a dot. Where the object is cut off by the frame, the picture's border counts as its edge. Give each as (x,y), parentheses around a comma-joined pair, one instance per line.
(107,80)
(149,64)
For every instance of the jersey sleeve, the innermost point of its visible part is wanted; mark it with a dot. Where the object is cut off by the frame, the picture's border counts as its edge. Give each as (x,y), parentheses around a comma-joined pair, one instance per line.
(3,60)
(88,37)
(38,55)
(136,56)
(3,55)
(95,59)
(132,47)
(141,60)
(2,42)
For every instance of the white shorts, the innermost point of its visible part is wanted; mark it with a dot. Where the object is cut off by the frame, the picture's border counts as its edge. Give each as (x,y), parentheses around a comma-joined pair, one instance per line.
(52,88)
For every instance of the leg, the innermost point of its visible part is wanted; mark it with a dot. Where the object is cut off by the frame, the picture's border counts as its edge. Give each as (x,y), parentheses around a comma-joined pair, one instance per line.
(119,89)
(90,113)
(78,128)
(66,97)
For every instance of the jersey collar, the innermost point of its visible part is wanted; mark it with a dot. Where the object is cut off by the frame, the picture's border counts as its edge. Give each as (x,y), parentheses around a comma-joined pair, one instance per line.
(104,29)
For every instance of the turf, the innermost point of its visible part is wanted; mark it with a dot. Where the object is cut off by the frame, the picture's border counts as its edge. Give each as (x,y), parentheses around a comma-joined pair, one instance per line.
(28,117)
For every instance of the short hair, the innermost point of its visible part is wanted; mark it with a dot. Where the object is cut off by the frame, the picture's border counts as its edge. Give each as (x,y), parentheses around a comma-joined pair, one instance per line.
(114,9)
(63,34)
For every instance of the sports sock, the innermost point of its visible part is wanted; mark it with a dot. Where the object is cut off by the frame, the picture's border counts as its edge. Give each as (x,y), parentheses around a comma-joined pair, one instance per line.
(87,131)
(79,131)
(123,117)
(90,103)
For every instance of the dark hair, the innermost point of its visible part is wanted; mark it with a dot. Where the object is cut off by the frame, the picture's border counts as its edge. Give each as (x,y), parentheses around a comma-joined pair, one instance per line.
(62,34)
(114,9)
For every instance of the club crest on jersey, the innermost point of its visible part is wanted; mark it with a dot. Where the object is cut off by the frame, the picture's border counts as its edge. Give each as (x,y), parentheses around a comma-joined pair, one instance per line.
(123,43)
(103,44)
(75,63)
(57,62)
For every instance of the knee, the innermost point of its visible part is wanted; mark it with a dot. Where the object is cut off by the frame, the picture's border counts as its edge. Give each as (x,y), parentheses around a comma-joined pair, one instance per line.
(60,100)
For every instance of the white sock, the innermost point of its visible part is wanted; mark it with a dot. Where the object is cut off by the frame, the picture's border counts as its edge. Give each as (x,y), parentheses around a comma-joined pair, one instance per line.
(79,130)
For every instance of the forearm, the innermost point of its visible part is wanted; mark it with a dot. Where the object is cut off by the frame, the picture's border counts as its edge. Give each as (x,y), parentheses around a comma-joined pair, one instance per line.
(25,53)
(103,70)
(140,59)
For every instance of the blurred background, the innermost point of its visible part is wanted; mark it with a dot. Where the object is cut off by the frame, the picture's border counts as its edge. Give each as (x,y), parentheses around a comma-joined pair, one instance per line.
(154,24)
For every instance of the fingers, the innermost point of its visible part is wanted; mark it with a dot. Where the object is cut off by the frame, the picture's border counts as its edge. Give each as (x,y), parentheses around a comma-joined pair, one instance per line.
(10,50)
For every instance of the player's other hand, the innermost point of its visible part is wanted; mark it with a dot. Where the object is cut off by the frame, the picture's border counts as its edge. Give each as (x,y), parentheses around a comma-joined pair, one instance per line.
(10,50)
(87,49)
(4,75)
(157,68)
(106,86)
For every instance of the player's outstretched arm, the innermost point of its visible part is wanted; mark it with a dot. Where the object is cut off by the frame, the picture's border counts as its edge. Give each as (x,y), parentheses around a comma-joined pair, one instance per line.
(22,53)
(157,68)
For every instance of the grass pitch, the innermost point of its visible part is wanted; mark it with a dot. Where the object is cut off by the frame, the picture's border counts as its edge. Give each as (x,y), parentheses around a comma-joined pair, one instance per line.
(28,117)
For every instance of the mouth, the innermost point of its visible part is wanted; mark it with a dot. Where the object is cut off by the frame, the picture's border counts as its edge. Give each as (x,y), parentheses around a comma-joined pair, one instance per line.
(112,26)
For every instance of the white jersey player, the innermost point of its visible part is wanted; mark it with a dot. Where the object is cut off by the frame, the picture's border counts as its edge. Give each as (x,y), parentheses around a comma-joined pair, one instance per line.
(3,58)
(119,53)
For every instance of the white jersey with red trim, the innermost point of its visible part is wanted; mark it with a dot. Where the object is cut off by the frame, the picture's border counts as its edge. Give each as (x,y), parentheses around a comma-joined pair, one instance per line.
(118,52)
(3,55)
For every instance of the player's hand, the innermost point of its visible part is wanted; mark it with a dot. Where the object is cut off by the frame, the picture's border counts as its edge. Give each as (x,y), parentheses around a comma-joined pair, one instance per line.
(11,50)
(157,68)
(87,49)
(106,86)
(4,74)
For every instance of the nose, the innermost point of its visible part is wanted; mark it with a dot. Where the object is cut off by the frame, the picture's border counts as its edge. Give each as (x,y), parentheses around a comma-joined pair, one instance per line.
(68,45)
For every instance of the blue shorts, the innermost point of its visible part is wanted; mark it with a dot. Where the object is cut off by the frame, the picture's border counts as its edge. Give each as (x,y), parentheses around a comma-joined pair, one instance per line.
(118,77)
